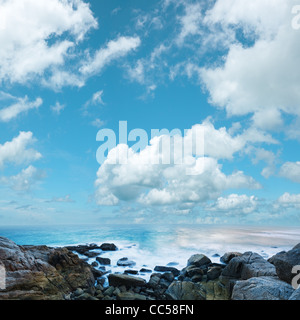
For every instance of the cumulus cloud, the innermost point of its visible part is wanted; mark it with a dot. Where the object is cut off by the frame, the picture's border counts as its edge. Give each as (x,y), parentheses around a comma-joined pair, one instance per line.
(288,200)
(260,77)
(235,204)
(33,37)
(25,180)
(17,151)
(291,171)
(22,105)
(193,181)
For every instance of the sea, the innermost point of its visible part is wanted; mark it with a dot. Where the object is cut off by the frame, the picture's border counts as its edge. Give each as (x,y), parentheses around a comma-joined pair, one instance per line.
(155,245)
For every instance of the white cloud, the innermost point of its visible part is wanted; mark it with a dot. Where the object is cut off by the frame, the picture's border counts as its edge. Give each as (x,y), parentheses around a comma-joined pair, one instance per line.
(58,108)
(235,204)
(17,151)
(21,106)
(98,123)
(190,22)
(261,78)
(158,184)
(289,200)
(291,171)
(114,49)
(66,199)
(25,180)
(34,35)
(96,99)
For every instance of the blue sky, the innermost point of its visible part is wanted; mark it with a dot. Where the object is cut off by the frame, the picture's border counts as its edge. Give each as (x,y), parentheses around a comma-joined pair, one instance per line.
(71,68)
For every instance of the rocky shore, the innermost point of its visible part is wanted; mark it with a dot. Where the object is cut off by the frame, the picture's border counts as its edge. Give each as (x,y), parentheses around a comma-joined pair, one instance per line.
(44,273)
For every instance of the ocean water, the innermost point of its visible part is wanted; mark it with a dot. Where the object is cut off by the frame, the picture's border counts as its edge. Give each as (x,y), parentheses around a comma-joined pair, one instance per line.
(154,245)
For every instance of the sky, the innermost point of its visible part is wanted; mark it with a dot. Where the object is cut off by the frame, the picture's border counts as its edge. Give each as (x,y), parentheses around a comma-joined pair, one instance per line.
(71,68)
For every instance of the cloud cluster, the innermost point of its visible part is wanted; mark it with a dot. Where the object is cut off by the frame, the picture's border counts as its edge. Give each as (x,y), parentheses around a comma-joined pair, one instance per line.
(259,74)
(235,204)
(24,180)
(194,181)
(17,151)
(38,35)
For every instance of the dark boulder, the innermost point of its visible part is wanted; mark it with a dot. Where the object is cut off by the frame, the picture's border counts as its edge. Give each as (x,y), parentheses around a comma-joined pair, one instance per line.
(284,263)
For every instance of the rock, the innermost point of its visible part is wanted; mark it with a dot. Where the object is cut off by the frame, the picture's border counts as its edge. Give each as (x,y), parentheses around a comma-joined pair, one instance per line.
(144,270)
(135,272)
(124,262)
(284,263)
(85,296)
(109,291)
(78,292)
(192,271)
(130,296)
(262,288)
(214,273)
(103,261)
(94,264)
(229,255)
(198,260)
(215,290)
(42,273)
(91,254)
(82,249)
(154,280)
(169,276)
(164,283)
(126,280)
(175,271)
(185,291)
(295,295)
(172,264)
(97,273)
(108,247)
(247,266)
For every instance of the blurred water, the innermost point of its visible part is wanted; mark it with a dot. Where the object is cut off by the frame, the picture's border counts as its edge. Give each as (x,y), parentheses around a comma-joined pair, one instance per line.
(155,245)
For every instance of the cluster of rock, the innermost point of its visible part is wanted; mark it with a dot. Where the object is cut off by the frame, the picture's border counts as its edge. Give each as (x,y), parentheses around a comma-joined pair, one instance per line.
(47,273)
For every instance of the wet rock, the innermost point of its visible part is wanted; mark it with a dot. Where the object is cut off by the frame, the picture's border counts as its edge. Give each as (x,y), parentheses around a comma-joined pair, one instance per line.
(134,272)
(83,249)
(172,264)
(198,260)
(144,270)
(125,262)
(108,247)
(262,288)
(94,264)
(91,254)
(175,271)
(104,261)
(126,280)
(185,291)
